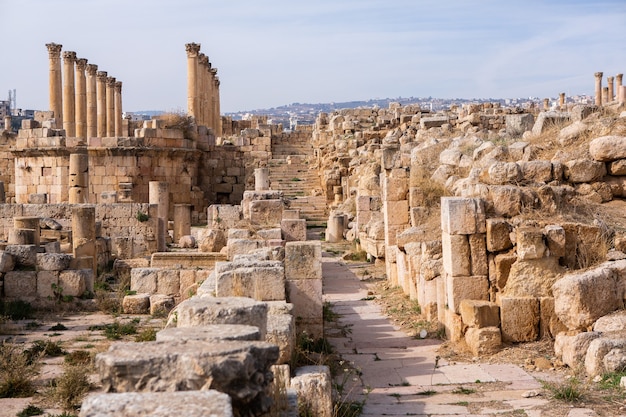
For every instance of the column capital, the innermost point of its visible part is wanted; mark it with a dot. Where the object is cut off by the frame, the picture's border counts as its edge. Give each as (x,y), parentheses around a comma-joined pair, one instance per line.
(92,69)
(81,64)
(54,50)
(203,59)
(118,86)
(213,71)
(69,56)
(619,77)
(610,79)
(101,75)
(110,81)
(192,49)
(598,74)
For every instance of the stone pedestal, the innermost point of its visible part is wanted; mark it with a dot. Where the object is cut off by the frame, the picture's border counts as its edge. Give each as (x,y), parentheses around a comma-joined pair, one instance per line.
(79,178)
(182,221)
(84,233)
(336,227)
(159,194)
(101,107)
(598,89)
(69,58)
(261,179)
(28,223)
(55,82)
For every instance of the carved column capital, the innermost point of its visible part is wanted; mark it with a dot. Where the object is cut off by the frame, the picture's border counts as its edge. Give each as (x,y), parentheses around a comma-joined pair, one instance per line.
(54,50)
(598,74)
(110,81)
(618,77)
(609,79)
(203,59)
(81,64)
(192,49)
(118,86)
(101,75)
(92,69)
(69,56)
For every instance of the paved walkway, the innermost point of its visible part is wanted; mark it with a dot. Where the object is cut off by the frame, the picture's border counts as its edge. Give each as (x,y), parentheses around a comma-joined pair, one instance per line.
(398,376)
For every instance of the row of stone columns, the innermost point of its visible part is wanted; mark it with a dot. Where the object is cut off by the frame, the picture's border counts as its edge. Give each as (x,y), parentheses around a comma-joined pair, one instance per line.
(611,92)
(87,102)
(203,97)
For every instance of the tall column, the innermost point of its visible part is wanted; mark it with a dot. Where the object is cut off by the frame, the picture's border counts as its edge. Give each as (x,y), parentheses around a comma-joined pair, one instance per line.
(159,193)
(118,109)
(546,104)
(102,104)
(69,109)
(84,236)
(55,82)
(618,83)
(192,78)
(202,83)
(605,95)
(598,90)
(81,98)
(182,221)
(92,100)
(209,99)
(217,114)
(610,86)
(79,178)
(622,94)
(562,101)
(110,92)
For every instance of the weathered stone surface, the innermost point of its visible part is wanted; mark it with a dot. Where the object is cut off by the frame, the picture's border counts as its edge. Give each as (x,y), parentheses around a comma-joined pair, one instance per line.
(303,260)
(314,387)
(555,237)
(500,268)
(293,230)
(546,119)
(53,261)
(498,235)
(306,297)
(479,314)
(582,298)
(596,361)
(508,200)
(465,288)
(573,348)
(46,283)
(453,325)
(608,148)
(584,170)
(570,134)
(501,173)
(240,369)
(25,255)
(617,167)
(482,341)
(161,304)
(7,263)
(223,216)
(456,254)
(187,242)
(168,281)
(200,311)
(517,124)
(396,212)
(478,254)
(533,277)
(266,212)
(136,304)
(614,322)
(144,280)
(549,323)
(530,243)
(20,284)
(274,233)
(75,282)
(462,216)
(519,317)
(281,331)
(242,247)
(211,332)
(262,283)
(157,404)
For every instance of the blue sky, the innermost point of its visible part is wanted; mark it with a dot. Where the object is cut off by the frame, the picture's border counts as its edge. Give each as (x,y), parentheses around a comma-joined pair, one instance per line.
(283,51)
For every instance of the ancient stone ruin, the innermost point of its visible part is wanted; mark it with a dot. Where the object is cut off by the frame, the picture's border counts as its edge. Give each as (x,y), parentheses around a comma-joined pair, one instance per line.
(503,223)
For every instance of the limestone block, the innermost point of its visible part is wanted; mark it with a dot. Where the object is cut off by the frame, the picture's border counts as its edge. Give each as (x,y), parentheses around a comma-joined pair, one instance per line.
(240,369)
(508,200)
(45,280)
(158,404)
(314,387)
(584,170)
(168,282)
(281,331)
(533,277)
(363,203)
(211,240)
(136,304)
(396,212)
(76,282)
(53,261)
(306,296)
(453,325)
(24,255)
(223,216)
(583,297)
(465,288)
(555,237)
(498,235)
(293,230)
(292,214)
(478,254)
(269,234)
(161,305)
(570,134)
(242,247)
(614,322)
(530,244)
(456,254)
(519,318)
(259,283)
(608,148)
(549,323)
(462,216)
(7,263)
(144,280)
(20,284)
(394,189)
(187,242)
(209,333)
(250,196)
(572,349)
(303,260)
(483,341)
(201,311)
(501,173)
(479,314)
(599,349)
(617,167)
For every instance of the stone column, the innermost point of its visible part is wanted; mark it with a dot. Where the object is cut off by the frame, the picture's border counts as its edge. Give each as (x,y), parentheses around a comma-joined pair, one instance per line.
(81,98)
(182,221)
(7,123)
(338,192)
(28,223)
(55,82)
(84,235)
(622,94)
(562,101)
(546,104)
(610,87)
(605,95)
(598,91)
(618,83)
(336,227)
(118,109)
(218,117)
(3,198)
(101,112)
(79,178)
(202,87)
(110,92)
(159,194)
(92,100)
(192,78)
(261,179)
(69,109)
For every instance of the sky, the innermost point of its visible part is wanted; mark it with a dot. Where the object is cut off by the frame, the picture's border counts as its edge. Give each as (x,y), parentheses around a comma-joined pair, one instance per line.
(276,52)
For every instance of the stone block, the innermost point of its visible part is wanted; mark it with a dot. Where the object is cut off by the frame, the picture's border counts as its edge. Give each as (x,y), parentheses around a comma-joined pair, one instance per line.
(209,333)
(614,322)
(293,230)
(239,234)
(303,260)
(242,247)
(45,282)
(479,314)
(168,282)
(133,404)
(555,237)
(549,323)
(75,282)
(453,325)
(394,189)
(530,244)
(465,288)
(608,148)
(240,369)
(20,284)
(7,263)
(202,311)
(478,254)
(161,305)
(462,216)
(314,387)
(306,297)
(519,318)
(363,203)
(281,331)
(270,234)
(211,240)
(223,216)
(456,254)
(584,170)
(53,261)
(144,280)
(500,270)
(571,349)
(483,341)
(136,304)
(599,360)
(396,212)
(23,255)
(259,283)
(498,235)
(266,212)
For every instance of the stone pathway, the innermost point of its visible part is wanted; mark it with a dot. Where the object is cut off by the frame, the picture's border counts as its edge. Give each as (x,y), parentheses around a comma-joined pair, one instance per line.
(398,376)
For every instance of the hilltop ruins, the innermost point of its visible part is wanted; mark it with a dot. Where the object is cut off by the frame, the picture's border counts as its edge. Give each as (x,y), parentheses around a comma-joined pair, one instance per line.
(501,222)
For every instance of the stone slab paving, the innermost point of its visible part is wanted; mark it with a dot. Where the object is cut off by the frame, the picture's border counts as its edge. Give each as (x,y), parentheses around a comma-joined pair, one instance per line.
(397,373)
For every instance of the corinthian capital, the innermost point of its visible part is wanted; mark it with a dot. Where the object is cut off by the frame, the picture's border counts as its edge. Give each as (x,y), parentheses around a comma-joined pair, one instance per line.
(54,50)
(192,49)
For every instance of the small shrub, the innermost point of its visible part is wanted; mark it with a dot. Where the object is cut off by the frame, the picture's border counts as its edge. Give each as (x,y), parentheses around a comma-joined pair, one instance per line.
(569,390)
(108,302)
(44,348)
(142,217)
(78,357)
(146,335)
(16,372)
(16,310)
(31,410)
(58,328)
(69,389)
(464,391)
(328,314)
(116,330)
